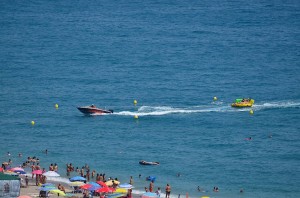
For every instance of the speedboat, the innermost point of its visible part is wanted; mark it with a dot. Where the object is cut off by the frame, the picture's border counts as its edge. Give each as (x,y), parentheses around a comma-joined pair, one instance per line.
(148,163)
(92,109)
(244,102)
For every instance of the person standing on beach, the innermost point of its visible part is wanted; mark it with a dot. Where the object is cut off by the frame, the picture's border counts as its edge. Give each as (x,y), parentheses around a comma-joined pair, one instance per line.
(51,167)
(93,173)
(55,167)
(151,185)
(88,174)
(168,191)
(131,180)
(82,172)
(158,192)
(26,181)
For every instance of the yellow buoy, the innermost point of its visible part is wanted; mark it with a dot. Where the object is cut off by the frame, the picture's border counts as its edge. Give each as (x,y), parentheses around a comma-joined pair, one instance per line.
(215,98)
(32,122)
(251,111)
(136,116)
(135,102)
(56,106)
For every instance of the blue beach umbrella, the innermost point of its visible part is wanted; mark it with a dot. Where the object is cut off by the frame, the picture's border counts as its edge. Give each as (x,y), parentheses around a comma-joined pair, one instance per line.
(126,185)
(48,188)
(94,184)
(93,188)
(48,184)
(77,178)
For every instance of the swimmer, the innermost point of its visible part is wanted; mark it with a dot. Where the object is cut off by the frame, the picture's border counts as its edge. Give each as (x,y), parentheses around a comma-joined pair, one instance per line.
(249,138)
(216,189)
(200,190)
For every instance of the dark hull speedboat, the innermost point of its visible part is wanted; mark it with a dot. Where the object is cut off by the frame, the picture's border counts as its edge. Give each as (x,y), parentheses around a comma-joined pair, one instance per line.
(90,110)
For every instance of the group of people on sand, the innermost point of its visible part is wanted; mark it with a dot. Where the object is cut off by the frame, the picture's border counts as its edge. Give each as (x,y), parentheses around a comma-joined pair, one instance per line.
(34,164)
(158,191)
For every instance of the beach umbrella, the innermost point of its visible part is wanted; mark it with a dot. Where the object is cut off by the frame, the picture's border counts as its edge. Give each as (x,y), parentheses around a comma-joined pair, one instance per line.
(51,174)
(58,192)
(86,186)
(20,172)
(37,172)
(126,185)
(24,196)
(93,188)
(10,173)
(94,184)
(17,169)
(111,182)
(105,190)
(101,183)
(77,178)
(47,188)
(149,195)
(121,190)
(76,183)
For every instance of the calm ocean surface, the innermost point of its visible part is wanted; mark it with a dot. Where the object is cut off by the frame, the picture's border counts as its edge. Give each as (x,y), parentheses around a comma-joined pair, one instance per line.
(173,57)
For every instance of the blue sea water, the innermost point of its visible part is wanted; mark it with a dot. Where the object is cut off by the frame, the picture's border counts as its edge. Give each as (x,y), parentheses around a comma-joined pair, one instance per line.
(172,57)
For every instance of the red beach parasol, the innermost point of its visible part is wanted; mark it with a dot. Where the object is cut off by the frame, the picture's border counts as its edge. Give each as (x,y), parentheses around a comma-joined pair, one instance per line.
(86,186)
(101,183)
(105,190)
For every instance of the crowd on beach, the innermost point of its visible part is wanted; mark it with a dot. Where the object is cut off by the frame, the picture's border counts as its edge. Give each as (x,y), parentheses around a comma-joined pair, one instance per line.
(33,163)
(84,171)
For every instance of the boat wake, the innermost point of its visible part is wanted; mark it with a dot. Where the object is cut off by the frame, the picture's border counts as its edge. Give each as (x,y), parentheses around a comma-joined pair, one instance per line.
(213,107)
(277,105)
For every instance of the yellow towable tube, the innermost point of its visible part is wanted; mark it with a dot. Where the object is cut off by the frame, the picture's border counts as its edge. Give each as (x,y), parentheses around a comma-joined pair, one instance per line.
(245,102)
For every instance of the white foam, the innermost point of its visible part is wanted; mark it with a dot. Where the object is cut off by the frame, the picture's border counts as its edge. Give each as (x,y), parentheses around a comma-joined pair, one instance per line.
(277,105)
(213,107)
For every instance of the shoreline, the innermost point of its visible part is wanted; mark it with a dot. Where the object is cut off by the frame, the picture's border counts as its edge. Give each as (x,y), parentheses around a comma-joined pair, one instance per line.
(33,191)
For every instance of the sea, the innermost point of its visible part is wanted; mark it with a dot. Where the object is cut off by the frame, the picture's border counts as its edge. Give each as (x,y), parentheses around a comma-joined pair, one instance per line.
(173,57)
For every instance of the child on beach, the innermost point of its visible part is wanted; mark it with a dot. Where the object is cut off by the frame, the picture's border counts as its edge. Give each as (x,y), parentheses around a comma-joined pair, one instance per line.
(158,192)
(26,181)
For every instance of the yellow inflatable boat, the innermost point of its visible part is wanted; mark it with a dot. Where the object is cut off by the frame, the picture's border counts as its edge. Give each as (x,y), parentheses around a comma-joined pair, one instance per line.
(244,102)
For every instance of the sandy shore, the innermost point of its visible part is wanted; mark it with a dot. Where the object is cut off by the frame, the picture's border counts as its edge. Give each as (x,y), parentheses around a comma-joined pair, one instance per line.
(33,191)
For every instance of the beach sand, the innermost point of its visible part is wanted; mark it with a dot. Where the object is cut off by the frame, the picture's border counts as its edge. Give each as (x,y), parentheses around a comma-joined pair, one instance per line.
(33,191)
